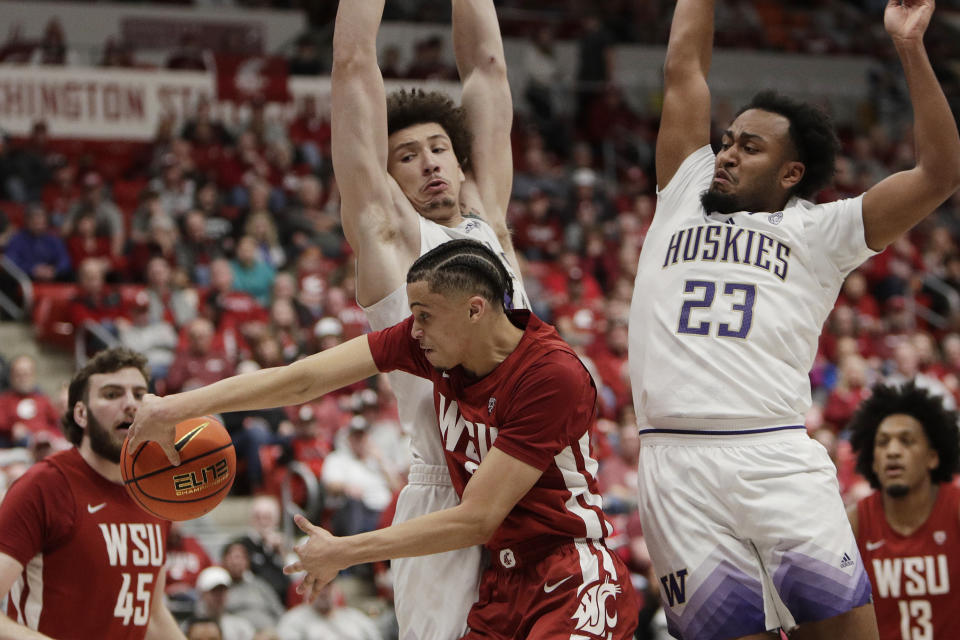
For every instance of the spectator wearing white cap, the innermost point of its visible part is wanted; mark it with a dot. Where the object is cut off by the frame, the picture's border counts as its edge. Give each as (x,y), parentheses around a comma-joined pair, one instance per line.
(213,584)
(358,482)
(329,333)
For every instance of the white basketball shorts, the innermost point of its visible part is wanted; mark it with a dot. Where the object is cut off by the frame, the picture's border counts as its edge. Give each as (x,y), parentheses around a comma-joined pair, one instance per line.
(747,533)
(433,594)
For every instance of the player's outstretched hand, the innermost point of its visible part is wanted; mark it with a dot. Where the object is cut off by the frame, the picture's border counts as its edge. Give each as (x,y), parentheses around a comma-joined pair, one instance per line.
(318,557)
(907,20)
(151,425)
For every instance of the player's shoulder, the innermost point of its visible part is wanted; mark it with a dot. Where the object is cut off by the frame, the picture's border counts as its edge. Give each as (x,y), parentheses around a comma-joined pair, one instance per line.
(950,495)
(555,363)
(819,211)
(51,469)
(695,168)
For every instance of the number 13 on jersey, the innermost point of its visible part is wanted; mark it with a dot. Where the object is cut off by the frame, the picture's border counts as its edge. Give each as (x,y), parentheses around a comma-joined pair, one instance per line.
(701,294)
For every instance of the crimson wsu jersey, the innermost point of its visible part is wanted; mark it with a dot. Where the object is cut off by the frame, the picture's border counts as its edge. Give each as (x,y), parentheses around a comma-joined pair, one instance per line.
(537,406)
(91,557)
(912,575)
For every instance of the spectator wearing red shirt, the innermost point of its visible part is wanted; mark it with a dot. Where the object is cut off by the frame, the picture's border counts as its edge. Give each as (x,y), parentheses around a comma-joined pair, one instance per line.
(226,307)
(25,411)
(539,234)
(567,268)
(95,303)
(617,475)
(311,441)
(610,358)
(84,243)
(856,294)
(310,133)
(579,314)
(851,389)
(62,192)
(344,308)
(201,363)
(186,558)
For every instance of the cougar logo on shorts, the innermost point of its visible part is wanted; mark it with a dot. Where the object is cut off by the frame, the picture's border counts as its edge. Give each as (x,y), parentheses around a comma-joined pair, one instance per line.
(591,615)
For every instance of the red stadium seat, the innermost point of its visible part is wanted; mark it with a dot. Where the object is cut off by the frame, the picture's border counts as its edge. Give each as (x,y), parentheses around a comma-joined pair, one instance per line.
(50,313)
(14,212)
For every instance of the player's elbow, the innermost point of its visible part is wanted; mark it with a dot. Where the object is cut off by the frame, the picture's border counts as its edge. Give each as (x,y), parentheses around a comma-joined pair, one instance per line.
(943,178)
(352,56)
(953,177)
(485,62)
(492,64)
(678,69)
(480,522)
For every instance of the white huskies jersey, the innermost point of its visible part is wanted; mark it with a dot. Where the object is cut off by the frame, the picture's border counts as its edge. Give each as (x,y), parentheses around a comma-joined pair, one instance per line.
(415,395)
(727,309)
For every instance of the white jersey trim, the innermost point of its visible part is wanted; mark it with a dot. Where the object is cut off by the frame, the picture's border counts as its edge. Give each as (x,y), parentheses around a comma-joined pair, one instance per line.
(32,579)
(575,481)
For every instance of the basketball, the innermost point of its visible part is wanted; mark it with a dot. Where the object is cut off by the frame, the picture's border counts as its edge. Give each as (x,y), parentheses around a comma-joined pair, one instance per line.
(207,468)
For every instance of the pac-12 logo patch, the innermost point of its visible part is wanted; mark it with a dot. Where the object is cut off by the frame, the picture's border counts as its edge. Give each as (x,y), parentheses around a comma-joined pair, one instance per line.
(940,537)
(775,218)
(491,405)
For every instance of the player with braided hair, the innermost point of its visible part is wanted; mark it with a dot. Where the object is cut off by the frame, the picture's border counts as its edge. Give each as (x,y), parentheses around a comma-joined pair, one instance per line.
(515,408)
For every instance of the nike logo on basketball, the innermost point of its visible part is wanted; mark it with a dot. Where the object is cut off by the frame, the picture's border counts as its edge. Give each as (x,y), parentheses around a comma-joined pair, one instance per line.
(182,442)
(94,509)
(873,546)
(547,588)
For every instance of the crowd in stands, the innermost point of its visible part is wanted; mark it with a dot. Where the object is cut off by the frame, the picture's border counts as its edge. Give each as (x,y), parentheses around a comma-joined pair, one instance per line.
(217,249)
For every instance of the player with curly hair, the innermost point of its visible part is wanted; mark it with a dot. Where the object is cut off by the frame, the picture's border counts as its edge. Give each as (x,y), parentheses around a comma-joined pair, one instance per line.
(908,531)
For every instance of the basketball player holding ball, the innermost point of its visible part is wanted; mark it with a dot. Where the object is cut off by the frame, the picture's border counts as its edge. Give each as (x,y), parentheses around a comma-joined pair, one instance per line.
(78,558)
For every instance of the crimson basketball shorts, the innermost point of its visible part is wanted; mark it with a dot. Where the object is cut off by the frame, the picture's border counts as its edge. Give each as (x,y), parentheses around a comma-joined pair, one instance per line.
(450,578)
(747,533)
(551,590)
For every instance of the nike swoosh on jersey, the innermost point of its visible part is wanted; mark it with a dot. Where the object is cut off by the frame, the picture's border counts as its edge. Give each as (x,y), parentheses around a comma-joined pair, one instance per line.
(873,546)
(94,509)
(547,588)
(187,437)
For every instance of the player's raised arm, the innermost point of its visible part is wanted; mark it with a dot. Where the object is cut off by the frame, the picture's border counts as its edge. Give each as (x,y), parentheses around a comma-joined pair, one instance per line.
(292,384)
(905,198)
(359,147)
(486,98)
(685,120)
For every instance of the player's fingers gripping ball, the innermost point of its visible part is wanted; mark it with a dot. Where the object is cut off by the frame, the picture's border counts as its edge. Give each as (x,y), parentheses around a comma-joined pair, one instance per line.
(207,468)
